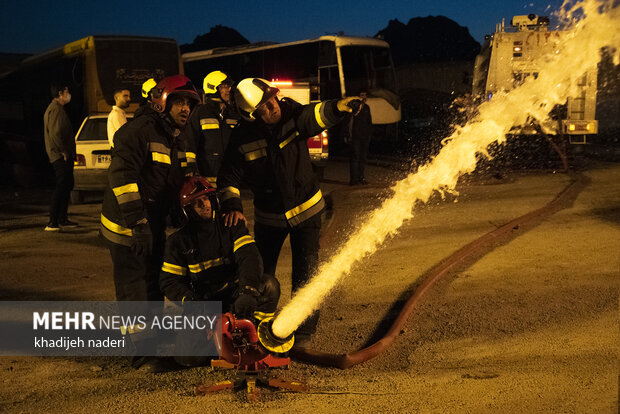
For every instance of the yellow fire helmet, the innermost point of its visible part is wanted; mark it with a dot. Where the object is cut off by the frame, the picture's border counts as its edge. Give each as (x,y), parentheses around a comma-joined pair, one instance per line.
(147,86)
(213,80)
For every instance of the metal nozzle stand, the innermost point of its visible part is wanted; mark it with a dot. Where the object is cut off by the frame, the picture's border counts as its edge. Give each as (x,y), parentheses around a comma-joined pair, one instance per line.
(251,352)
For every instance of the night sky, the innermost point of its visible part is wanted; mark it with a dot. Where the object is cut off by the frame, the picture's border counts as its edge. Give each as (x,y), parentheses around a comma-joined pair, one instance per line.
(35,26)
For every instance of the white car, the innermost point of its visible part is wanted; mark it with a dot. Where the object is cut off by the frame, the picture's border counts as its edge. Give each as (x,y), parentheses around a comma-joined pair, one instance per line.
(92,156)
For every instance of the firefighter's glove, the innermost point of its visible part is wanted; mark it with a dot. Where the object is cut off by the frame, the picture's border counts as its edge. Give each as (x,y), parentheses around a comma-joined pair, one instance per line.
(245,305)
(141,239)
(349,104)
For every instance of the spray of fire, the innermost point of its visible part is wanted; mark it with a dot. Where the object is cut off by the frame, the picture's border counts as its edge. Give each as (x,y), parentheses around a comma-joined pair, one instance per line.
(593,25)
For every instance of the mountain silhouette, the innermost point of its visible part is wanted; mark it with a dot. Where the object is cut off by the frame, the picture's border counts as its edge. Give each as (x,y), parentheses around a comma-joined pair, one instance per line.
(428,39)
(218,36)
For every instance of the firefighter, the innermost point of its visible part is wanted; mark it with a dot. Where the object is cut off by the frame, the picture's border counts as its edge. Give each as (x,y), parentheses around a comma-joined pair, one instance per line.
(268,152)
(147,170)
(211,123)
(145,102)
(206,260)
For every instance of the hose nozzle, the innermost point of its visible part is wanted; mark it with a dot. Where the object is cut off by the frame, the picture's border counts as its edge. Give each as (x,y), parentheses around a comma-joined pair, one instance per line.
(270,341)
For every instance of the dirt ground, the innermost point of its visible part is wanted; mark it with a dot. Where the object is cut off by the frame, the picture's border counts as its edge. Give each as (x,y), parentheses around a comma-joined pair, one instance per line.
(530,327)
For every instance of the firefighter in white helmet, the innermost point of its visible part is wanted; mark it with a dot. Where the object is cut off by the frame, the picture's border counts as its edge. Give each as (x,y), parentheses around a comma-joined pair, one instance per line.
(268,152)
(209,129)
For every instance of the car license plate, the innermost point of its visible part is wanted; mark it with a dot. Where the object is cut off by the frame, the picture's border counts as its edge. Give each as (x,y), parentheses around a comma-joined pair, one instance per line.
(104,159)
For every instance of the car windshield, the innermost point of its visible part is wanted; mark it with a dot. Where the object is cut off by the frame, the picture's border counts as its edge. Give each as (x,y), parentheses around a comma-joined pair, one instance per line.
(95,129)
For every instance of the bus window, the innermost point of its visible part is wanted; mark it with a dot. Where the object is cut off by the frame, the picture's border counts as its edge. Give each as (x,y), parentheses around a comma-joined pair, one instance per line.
(367,67)
(327,54)
(292,62)
(329,83)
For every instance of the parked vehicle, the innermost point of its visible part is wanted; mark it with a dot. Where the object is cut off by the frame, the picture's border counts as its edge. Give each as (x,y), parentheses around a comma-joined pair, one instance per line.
(92,67)
(512,54)
(92,156)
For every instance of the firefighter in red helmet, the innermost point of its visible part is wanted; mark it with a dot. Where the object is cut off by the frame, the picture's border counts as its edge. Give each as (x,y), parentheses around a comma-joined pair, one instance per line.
(147,170)
(208,261)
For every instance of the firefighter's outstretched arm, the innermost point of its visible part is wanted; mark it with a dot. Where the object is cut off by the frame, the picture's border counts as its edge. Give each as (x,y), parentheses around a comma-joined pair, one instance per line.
(315,118)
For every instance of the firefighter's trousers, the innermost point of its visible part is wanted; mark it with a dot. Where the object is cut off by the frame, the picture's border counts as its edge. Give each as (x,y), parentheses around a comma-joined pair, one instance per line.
(305,251)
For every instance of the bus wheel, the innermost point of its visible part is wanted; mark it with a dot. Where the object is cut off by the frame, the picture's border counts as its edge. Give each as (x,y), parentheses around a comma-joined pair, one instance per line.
(77,197)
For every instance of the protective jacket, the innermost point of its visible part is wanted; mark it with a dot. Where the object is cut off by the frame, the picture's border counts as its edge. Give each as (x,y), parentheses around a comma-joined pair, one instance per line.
(208,134)
(274,161)
(145,175)
(206,257)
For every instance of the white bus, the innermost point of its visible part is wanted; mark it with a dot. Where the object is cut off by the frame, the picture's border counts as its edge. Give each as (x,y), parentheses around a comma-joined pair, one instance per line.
(333,66)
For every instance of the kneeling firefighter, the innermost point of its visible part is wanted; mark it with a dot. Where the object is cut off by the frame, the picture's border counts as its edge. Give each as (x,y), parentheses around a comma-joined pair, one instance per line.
(205,260)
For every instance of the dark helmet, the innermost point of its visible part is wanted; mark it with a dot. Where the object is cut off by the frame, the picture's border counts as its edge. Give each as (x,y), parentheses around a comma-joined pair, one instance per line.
(194,187)
(172,85)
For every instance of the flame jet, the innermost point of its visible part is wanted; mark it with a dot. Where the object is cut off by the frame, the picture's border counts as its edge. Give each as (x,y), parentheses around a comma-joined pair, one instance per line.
(593,24)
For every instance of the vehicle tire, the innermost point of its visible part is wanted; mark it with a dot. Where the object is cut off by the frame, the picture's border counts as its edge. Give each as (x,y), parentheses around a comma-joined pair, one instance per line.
(77,197)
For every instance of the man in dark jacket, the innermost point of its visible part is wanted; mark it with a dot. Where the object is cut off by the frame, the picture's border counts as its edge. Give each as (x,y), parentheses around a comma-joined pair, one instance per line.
(268,152)
(358,131)
(210,125)
(147,170)
(60,148)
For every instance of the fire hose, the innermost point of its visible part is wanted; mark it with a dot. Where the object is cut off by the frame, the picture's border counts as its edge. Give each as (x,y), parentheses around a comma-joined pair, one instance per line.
(462,258)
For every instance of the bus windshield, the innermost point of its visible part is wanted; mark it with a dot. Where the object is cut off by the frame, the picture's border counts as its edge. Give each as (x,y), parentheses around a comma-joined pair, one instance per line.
(128,63)
(367,67)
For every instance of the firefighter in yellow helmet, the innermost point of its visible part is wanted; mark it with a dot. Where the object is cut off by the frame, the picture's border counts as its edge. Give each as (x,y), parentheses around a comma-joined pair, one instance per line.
(147,88)
(268,152)
(211,123)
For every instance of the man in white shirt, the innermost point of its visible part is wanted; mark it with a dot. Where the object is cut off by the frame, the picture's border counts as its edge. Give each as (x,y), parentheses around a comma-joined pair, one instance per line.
(117,117)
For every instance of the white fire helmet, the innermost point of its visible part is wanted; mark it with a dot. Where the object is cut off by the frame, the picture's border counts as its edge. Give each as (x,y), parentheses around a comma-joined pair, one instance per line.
(251,94)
